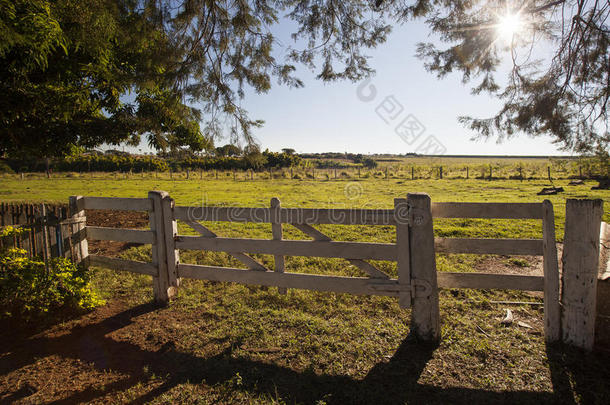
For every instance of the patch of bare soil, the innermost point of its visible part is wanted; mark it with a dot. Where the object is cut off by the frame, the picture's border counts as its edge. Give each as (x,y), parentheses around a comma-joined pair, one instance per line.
(522,265)
(114,219)
(75,361)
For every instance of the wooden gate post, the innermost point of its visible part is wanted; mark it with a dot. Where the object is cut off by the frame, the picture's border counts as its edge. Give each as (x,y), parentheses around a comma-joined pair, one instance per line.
(552,321)
(77,213)
(425,317)
(580,267)
(172,254)
(161,284)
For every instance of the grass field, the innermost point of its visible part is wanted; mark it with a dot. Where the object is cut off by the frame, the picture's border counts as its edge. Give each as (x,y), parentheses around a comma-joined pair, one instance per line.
(226,343)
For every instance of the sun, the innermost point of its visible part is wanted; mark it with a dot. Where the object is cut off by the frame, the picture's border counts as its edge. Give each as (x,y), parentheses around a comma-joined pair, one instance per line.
(509,25)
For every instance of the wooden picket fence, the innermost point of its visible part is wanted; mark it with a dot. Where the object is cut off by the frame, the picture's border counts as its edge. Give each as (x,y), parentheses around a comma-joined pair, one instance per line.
(418,281)
(48,230)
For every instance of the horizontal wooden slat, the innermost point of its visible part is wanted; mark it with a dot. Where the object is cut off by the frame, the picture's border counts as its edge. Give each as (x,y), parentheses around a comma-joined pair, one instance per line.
(120,234)
(345,216)
(489,246)
(489,281)
(346,250)
(122,265)
(111,203)
(487,210)
(338,284)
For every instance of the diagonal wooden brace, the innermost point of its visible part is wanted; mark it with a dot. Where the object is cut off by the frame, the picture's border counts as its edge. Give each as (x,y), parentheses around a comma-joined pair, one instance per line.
(242,257)
(368,268)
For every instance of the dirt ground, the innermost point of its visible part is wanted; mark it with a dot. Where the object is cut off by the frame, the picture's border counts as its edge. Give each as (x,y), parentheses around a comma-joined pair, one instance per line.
(114,219)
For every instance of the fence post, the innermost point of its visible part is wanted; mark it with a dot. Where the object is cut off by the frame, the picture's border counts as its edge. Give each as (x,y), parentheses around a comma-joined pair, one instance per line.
(580,269)
(276,229)
(161,284)
(425,322)
(170,233)
(403,260)
(77,213)
(552,321)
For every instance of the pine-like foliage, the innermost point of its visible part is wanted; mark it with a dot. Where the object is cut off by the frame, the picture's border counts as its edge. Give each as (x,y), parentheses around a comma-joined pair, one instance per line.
(82,73)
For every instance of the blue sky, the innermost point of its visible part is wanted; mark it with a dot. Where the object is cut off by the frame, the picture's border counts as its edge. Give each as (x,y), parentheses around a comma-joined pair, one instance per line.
(330,117)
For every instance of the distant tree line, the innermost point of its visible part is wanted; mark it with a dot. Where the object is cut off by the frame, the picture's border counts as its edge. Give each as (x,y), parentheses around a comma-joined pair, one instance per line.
(124,162)
(327,160)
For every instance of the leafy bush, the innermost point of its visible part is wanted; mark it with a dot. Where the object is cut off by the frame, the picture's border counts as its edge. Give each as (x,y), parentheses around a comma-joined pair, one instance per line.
(369,163)
(27,291)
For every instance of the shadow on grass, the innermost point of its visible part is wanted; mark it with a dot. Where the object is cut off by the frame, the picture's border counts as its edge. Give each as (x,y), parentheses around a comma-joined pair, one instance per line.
(395,381)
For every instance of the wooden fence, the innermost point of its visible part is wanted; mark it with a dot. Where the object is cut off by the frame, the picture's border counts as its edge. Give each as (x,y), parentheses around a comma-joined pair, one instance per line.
(48,230)
(417,282)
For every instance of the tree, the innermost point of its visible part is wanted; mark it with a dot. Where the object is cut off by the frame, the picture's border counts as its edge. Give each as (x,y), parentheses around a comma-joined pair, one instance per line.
(64,67)
(564,95)
(228,150)
(111,71)
(369,163)
(288,151)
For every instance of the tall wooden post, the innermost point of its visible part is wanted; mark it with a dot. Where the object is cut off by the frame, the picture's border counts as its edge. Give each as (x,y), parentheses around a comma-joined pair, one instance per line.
(412,173)
(425,322)
(580,269)
(552,325)
(161,284)
(440,172)
(276,229)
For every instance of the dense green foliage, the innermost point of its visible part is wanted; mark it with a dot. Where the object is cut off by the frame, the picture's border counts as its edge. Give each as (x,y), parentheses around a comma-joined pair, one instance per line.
(66,67)
(28,291)
(126,163)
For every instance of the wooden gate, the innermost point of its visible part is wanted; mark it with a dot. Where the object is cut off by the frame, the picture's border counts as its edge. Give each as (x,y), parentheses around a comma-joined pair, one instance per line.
(414,251)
